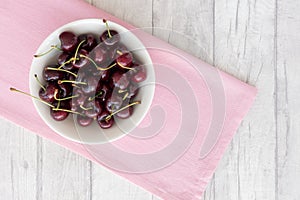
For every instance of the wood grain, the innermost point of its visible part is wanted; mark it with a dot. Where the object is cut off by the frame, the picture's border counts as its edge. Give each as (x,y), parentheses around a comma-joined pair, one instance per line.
(244,47)
(256,41)
(287,100)
(18,165)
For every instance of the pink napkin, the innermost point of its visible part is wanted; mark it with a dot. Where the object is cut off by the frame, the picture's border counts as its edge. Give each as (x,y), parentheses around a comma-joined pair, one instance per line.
(199,107)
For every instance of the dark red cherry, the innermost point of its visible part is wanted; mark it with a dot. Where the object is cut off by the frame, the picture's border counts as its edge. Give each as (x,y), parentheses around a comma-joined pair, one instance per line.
(82,61)
(68,41)
(84,120)
(48,94)
(65,90)
(102,120)
(75,106)
(115,52)
(120,80)
(62,59)
(125,60)
(52,75)
(125,113)
(90,41)
(140,75)
(91,86)
(81,99)
(105,92)
(114,103)
(96,109)
(132,91)
(103,75)
(110,41)
(60,115)
(99,54)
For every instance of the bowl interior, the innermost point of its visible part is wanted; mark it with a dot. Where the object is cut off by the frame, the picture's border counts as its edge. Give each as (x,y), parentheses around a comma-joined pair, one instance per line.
(93,133)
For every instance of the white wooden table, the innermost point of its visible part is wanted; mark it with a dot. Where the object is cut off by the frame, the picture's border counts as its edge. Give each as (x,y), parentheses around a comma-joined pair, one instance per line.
(256,41)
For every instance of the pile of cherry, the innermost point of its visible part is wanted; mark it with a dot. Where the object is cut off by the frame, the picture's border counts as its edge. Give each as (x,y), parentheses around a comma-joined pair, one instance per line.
(94,78)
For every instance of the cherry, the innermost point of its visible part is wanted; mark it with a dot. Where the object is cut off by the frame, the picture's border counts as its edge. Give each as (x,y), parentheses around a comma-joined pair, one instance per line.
(61,113)
(132,90)
(114,53)
(68,41)
(125,113)
(120,80)
(99,54)
(58,115)
(125,60)
(47,94)
(62,59)
(96,109)
(114,103)
(103,74)
(81,99)
(52,75)
(90,41)
(91,86)
(105,92)
(110,40)
(82,61)
(103,121)
(84,120)
(65,90)
(140,76)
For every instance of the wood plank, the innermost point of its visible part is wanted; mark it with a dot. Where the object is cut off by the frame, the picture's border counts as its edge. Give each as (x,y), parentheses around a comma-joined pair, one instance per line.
(187,25)
(287,99)
(135,12)
(107,185)
(63,174)
(18,162)
(244,47)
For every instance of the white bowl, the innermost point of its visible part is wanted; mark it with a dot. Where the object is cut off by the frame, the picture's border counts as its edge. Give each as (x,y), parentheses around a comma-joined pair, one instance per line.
(93,134)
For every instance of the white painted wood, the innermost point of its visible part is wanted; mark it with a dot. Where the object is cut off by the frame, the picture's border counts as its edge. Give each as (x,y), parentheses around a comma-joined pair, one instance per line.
(244,47)
(63,174)
(18,164)
(256,41)
(288,100)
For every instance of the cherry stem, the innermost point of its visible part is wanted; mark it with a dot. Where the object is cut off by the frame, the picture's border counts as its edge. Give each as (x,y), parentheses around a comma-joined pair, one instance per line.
(58,105)
(95,64)
(76,52)
(121,109)
(39,82)
(74,85)
(125,67)
(69,81)
(97,95)
(70,111)
(63,70)
(84,108)
(16,90)
(66,98)
(67,62)
(52,47)
(125,96)
(122,91)
(119,52)
(107,27)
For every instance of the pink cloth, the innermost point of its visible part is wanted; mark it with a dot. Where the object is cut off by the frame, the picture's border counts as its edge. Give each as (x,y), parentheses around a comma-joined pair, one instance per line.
(25,24)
